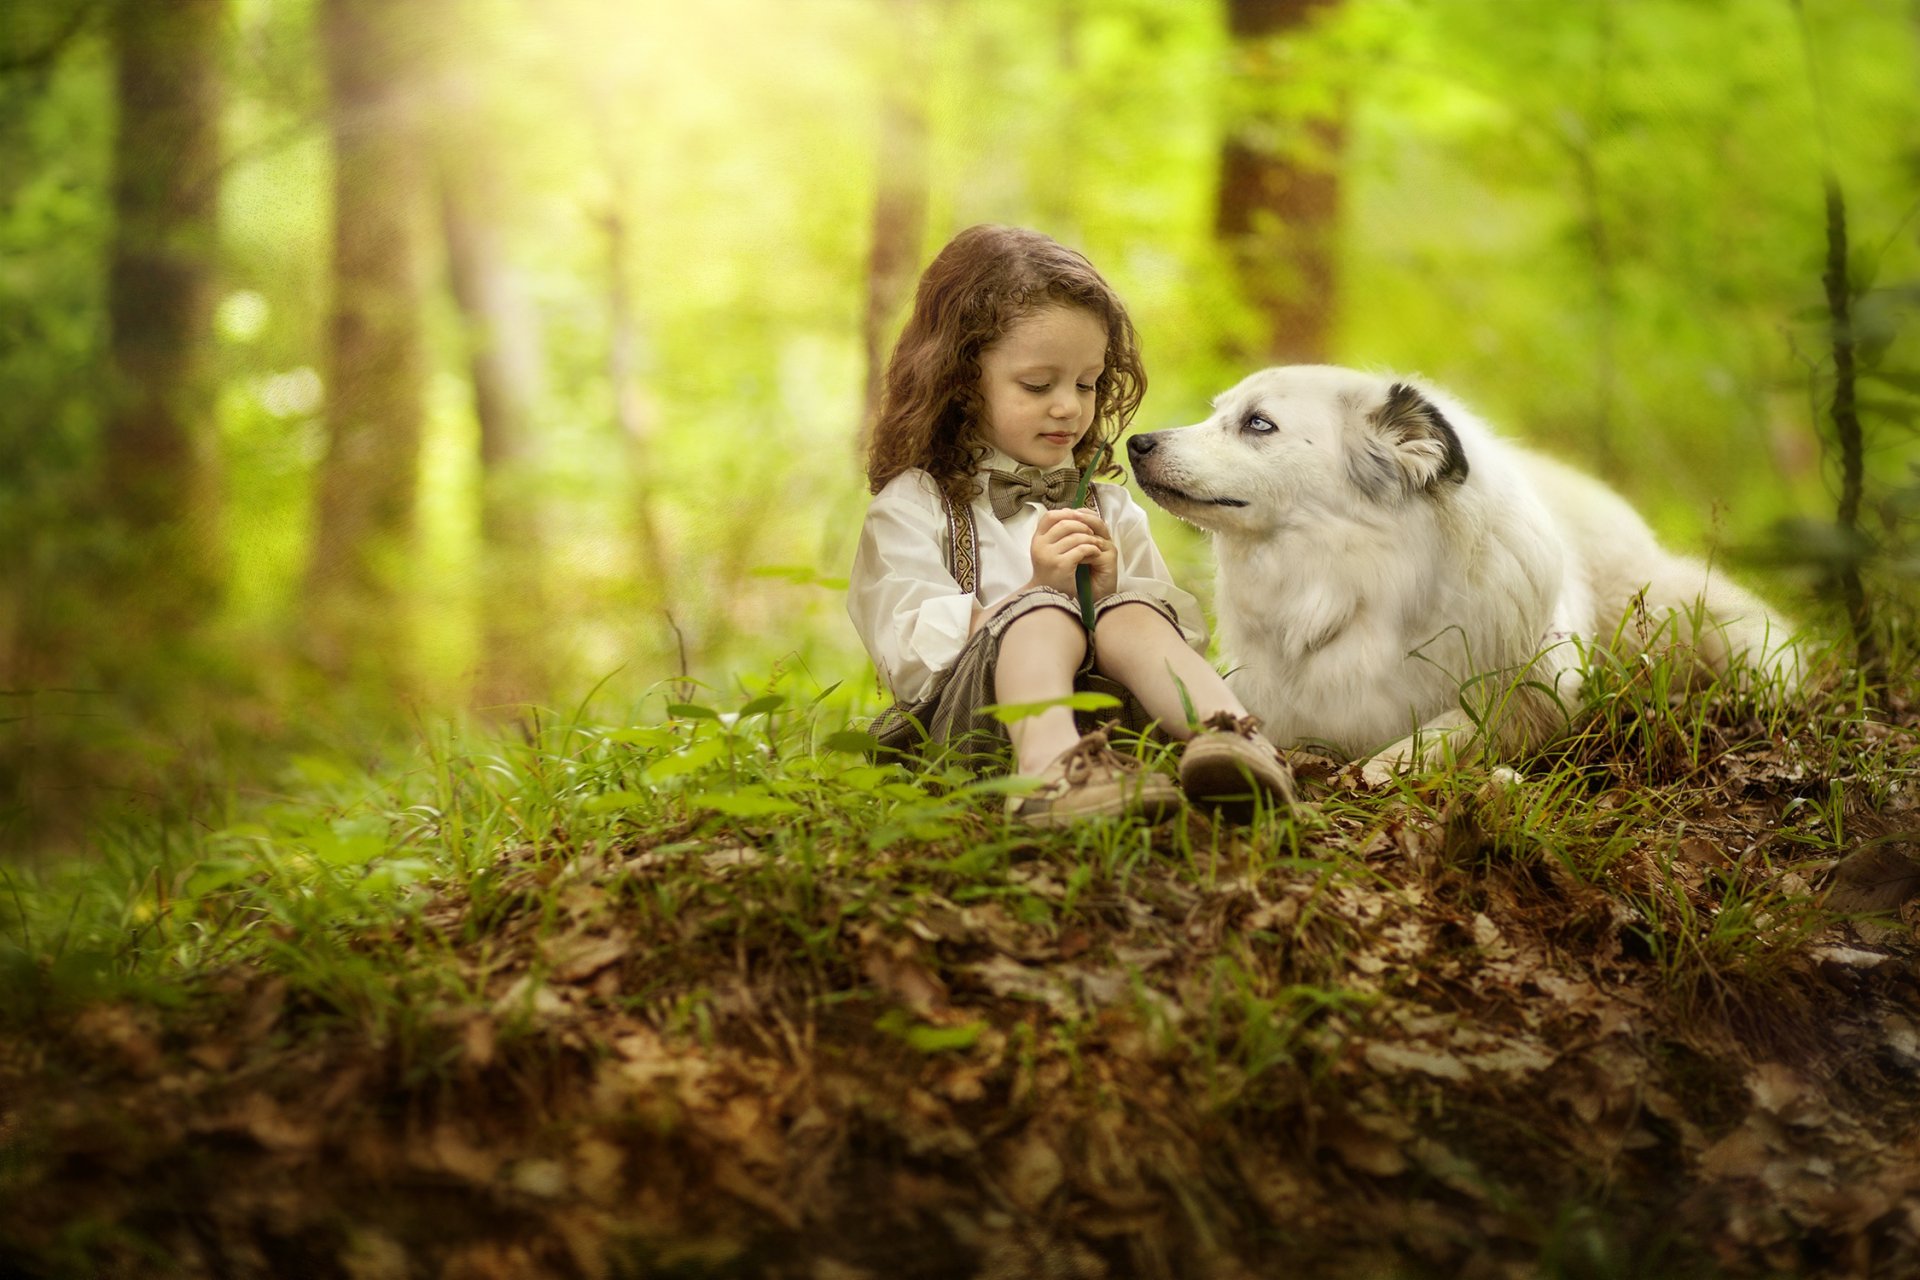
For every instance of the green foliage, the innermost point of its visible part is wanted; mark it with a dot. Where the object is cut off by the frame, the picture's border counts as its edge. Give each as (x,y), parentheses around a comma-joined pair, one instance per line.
(1601,225)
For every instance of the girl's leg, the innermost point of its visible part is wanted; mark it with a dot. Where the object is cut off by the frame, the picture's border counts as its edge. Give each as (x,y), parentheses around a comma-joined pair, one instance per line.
(1135,644)
(1040,653)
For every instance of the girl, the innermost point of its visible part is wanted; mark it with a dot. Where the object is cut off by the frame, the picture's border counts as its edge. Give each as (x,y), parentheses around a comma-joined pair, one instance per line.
(1017,368)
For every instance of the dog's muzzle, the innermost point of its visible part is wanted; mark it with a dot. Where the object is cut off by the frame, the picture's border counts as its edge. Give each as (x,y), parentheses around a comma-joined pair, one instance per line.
(1141,450)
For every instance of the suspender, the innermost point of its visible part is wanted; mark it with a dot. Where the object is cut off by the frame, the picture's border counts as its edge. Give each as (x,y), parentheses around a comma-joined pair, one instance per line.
(963,543)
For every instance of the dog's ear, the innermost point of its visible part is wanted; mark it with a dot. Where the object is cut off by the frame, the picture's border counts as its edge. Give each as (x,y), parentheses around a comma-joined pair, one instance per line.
(1408,446)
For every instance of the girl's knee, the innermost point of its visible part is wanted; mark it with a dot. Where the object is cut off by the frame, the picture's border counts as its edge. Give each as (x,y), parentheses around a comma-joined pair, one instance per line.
(1043,603)
(1043,613)
(1130,617)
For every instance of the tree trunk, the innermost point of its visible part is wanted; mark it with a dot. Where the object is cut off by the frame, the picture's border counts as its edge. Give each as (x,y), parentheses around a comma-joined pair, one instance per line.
(899,210)
(1279,199)
(375,401)
(1846,426)
(157,468)
(633,412)
(503,360)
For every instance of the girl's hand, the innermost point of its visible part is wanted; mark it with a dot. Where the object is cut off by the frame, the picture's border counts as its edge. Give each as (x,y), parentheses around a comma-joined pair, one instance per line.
(1064,540)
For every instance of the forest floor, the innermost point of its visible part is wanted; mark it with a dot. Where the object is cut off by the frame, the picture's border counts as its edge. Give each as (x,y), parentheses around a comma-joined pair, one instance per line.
(715,997)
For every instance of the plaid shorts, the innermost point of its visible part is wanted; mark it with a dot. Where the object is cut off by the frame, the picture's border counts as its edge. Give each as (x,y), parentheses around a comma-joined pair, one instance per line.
(949,719)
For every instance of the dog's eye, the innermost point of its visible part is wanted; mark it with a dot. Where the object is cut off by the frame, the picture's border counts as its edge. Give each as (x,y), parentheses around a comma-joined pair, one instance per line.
(1260,425)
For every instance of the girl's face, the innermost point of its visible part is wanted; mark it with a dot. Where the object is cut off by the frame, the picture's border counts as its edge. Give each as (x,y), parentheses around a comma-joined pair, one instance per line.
(1038,381)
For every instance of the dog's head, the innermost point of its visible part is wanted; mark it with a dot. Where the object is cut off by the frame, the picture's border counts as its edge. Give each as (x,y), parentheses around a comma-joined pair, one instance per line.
(1291,443)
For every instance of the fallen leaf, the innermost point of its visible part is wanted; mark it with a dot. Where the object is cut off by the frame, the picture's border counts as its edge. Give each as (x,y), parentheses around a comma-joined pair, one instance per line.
(539,1177)
(732,858)
(216,1056)
(1033,1170)
(1783,1092)
(734,1180)
(1005,976)
(449,1151)
(373,1255)
(579,956)
(597,1165)
(896,971)
(1741,1154)
(264,1121)
(116,1033)
(1398,1059)
(1877,876)
(1361,1149)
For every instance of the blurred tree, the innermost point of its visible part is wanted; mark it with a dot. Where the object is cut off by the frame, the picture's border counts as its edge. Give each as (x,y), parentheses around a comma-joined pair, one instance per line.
(502,349)
(900,197)
(375,398)
(1279,193)
(632,410)
(157,464)
(1582,131)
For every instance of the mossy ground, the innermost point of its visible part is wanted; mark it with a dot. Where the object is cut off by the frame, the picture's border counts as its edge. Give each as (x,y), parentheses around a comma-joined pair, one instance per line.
(712,995)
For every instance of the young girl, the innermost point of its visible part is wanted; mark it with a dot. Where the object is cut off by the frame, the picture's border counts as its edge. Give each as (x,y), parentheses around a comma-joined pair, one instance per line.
(1017,367)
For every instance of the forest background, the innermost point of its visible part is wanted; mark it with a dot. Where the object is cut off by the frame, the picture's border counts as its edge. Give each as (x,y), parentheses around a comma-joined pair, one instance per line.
(366,364)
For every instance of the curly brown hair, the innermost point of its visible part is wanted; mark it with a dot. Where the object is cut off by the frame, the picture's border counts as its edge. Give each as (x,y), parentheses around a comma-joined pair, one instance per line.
(931,412)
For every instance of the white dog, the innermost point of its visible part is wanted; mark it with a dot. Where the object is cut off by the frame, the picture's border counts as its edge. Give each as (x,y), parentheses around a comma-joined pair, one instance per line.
(1393,574)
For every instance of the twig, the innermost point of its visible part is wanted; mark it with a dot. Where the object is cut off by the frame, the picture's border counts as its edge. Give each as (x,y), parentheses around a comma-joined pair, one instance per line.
(686,678)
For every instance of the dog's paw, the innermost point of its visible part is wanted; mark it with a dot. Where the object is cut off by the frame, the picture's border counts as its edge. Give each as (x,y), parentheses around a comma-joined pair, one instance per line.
(1378,773)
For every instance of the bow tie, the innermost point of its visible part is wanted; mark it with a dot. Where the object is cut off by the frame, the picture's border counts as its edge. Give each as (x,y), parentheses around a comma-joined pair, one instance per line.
(1008,491)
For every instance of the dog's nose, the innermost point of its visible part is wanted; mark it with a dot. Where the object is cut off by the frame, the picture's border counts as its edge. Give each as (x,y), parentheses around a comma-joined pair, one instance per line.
(1140,446)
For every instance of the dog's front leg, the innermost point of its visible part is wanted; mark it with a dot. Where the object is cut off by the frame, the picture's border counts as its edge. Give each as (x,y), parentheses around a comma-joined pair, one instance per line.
(1444,736)
(1527,714)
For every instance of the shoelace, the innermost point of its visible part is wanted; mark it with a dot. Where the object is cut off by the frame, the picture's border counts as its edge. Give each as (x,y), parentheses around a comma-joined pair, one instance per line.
(1227,722)
(1091,752)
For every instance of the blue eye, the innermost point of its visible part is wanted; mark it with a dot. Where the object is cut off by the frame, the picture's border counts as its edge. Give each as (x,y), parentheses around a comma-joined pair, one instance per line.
(1261,425)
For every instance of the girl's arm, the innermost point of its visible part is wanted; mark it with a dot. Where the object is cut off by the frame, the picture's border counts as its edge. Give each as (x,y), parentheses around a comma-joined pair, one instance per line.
(912,616)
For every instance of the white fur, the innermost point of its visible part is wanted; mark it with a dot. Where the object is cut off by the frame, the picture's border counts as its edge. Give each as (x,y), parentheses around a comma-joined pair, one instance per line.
(1367,588)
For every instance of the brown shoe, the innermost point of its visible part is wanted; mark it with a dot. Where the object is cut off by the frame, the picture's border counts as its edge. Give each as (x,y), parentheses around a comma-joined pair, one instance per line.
(1229,763)
(1091,780)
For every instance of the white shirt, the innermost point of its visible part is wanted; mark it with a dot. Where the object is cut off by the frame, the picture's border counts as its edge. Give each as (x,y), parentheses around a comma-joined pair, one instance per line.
(911,613)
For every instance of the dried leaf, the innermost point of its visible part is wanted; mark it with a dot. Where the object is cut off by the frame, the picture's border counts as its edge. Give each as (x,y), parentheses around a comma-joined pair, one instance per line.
(477,1041)
(1399,1059)
(1781,1091)
(1741,1154)
(1877,876)
(1362,1149)
(731,1178)
(597,1166)
(1008,977)
(264,1121)
(119,1034)
(216,1056)
(539,1177)
(1034,1170)
(896,971)
(579,956)
(448,1150)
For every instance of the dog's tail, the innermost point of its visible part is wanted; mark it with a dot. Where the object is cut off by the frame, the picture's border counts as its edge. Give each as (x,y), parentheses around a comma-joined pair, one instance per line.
(1691,609)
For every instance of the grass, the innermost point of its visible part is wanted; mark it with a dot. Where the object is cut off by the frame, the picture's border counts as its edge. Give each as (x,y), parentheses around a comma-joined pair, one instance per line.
(725,885)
